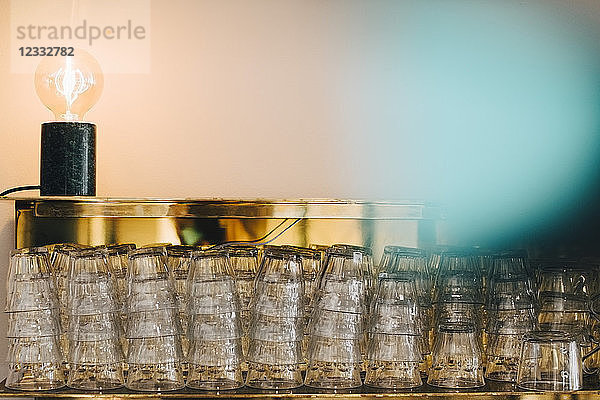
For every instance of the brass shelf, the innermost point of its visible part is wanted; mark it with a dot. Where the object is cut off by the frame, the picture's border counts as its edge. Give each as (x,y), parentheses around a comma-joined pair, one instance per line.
(89,207)
(492,390)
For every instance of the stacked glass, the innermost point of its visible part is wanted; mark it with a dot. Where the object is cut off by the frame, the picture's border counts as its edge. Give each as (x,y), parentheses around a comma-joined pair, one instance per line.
(178,263)
(510,308)
(276,328)
(311,266)
(117,264)
(154,354)
(550,361)
(214,332)
(367,266)
(565,294)
(243,259)
(457,354)
(395,333)
(34,357)
(94,331)
(337,324)
(404,259)
(60,262)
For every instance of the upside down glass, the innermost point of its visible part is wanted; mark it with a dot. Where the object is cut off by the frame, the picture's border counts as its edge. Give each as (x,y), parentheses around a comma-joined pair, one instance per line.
(394,361)
(275,345)
(457,357)
(550,361)
(154,358)
(34,356)
(94,332)
(337,327)
(244,264)
(214,332)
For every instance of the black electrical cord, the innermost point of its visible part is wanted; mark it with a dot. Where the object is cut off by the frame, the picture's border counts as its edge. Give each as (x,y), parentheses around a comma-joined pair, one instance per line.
(19,189)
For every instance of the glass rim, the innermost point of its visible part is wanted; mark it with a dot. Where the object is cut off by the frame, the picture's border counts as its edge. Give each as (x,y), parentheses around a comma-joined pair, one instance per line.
(147,251)
(89,253)
(303,251)
(544,295)
(402,250)
(241,250)
(352,248)
(510,254)
(459,252)
(274,251)
(398,276)
(538,336)
(568,266)
(65,248)
(180,250)
(120,249)
(457,327)
(209,253)
(30,251)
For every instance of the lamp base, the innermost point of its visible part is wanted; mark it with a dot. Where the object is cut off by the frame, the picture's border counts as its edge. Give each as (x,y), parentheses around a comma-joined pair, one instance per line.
(68,159)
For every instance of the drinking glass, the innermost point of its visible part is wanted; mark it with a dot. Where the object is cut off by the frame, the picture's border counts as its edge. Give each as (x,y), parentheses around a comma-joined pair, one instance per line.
(32,324)
(506,322)
(564,312)
(550,361)
(29,286)
(458,287)
(178,262)
(333,363)
(60,262)
(276,329)
(274,365)
(509,265)
(95,364)
(154,358)
(214,331)
(503,353)
(94,314)
(35,363)
(362,258)
(155,323)
(155,364)
(395,308)
(34,357)
(571,278)
(462,313)
(244,263)
(90,327)
(147,264)
(343,287)
(116,256)
(311,266)
(277,313)
(457,357)
(215,364)
(406,259)
(149,295)
(336,324)
(393,361)
(510,294)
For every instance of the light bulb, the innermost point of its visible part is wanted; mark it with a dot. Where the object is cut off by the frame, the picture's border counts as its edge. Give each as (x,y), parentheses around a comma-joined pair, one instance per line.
(69,85)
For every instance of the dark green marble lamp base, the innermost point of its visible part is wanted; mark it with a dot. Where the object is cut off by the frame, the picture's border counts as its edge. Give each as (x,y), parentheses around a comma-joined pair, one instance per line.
(68,159)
